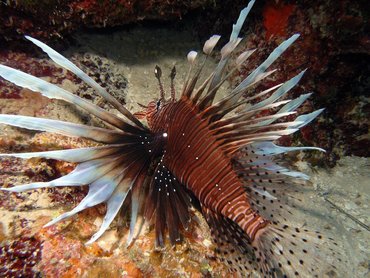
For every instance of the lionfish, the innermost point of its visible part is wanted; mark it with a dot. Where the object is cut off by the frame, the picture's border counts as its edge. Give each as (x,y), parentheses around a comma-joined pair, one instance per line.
(218,157)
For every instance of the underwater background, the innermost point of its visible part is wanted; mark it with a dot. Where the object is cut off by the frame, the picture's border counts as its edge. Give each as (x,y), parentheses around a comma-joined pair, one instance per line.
(119,43)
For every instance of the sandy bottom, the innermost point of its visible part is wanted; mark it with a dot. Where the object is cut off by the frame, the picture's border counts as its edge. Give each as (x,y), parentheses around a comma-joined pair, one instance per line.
(341,194)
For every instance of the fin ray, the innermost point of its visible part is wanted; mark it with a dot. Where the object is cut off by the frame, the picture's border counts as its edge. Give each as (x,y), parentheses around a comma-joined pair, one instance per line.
(54,92)
(64,128)
(65,63)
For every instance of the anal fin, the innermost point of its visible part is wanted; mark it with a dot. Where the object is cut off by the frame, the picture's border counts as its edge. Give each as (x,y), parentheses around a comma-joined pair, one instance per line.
(233,245)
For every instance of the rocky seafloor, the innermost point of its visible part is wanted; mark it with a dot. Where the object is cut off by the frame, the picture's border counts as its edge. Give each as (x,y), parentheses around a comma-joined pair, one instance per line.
(123,62)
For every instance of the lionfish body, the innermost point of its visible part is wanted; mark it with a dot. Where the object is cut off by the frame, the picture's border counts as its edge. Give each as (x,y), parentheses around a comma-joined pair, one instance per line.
(196,158)
(194,152)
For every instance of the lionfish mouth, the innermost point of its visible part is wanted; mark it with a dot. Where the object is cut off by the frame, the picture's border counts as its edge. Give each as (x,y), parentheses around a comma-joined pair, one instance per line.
(193,152)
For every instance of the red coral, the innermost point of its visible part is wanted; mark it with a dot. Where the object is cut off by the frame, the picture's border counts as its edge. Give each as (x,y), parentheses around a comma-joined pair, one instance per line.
(276,17)
(9,94)
(18,259)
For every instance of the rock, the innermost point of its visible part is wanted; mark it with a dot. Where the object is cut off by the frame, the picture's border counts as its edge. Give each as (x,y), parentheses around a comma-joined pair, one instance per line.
(20,257)
(335,50)
(50,19)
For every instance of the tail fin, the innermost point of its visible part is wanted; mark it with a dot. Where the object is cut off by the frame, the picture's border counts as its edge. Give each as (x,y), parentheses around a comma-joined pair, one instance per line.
(284,251)
(276,251)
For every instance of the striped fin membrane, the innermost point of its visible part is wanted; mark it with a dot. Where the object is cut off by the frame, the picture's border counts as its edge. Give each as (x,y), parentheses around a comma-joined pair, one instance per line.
(111,170)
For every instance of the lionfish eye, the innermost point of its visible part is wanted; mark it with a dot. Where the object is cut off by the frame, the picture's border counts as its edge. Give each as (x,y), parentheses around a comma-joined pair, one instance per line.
(158,104)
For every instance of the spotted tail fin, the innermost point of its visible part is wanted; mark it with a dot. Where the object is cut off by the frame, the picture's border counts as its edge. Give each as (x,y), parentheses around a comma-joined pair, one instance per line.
(285,247)
(284,251)
(277,250)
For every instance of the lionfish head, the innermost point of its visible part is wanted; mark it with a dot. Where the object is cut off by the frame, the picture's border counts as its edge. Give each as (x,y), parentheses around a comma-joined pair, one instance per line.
(152,111)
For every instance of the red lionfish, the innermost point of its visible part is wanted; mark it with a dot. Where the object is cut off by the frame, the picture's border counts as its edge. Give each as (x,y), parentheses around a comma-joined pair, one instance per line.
(194,151)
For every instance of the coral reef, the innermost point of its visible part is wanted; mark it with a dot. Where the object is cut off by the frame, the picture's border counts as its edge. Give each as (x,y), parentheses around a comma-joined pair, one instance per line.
(335,48)
(51,19)
(18,259)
